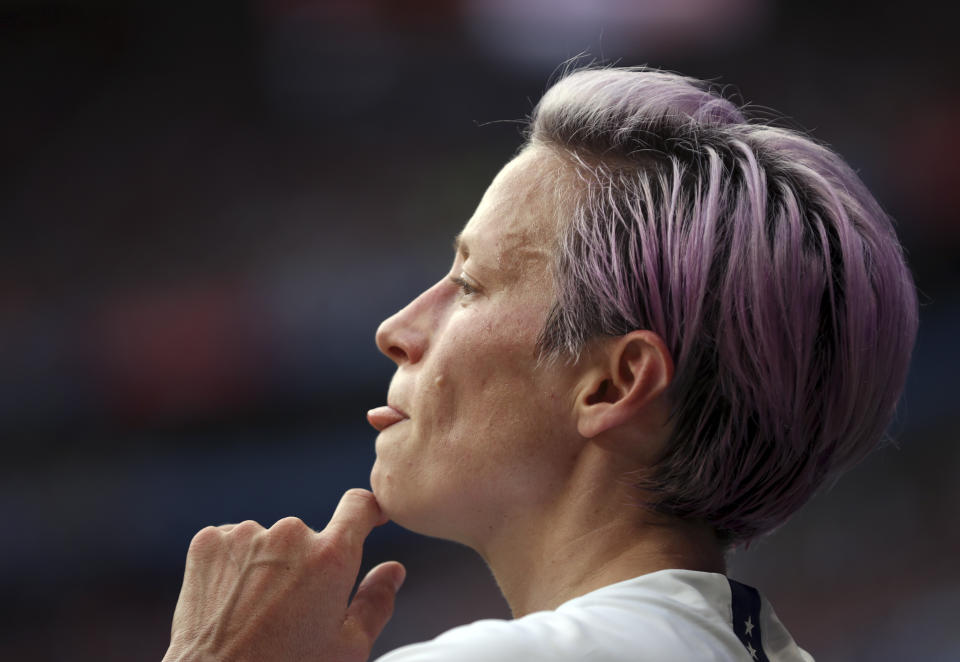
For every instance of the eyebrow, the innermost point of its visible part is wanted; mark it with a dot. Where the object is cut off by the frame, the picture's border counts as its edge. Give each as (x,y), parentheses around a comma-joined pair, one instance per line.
(460,246)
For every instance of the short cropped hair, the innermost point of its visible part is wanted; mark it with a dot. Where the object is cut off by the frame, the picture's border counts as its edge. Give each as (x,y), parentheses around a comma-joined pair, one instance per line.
(774,277)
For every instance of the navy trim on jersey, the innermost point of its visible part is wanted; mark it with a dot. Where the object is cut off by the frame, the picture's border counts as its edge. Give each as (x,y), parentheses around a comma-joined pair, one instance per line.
(745,601)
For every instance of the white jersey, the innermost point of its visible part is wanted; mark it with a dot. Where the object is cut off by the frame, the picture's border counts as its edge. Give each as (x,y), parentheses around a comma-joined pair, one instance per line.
(659,617)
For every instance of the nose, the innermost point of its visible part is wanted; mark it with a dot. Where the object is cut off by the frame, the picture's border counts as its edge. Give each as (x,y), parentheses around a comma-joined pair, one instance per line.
(405,336)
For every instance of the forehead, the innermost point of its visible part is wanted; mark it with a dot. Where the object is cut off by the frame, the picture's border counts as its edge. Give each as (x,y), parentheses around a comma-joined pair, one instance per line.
(515,223)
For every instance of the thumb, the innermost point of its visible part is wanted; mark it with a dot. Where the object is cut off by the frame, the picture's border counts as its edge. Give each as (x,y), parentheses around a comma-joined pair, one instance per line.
(372,606)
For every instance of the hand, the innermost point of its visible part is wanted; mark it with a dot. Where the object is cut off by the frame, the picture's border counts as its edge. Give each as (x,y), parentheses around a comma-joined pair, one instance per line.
(283,593)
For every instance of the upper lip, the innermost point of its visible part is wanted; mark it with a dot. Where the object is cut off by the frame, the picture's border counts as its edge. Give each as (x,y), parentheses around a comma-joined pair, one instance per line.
(397,409)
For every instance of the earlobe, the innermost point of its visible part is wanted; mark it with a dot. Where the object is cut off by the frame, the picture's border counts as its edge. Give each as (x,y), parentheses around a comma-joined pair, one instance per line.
(626,380)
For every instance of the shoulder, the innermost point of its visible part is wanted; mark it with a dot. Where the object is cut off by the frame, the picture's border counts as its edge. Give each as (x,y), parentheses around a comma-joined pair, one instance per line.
(660,616)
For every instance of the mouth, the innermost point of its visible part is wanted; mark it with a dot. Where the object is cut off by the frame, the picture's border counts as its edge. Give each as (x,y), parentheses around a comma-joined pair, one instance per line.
(383,417)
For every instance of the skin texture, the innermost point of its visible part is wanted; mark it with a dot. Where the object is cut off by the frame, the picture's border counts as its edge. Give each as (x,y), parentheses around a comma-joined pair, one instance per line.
(526,461)
(283,593)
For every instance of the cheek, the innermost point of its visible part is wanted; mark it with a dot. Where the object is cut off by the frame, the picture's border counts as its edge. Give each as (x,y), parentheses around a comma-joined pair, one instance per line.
(483,383)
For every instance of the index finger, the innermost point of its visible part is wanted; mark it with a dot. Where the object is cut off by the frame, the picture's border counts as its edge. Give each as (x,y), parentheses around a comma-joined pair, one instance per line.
(356,515)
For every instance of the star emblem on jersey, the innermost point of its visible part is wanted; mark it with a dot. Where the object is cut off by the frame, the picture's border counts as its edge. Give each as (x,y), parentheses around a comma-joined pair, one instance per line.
(745,607)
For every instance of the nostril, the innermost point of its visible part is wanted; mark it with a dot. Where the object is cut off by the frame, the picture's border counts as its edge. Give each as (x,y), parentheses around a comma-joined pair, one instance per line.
(396,353)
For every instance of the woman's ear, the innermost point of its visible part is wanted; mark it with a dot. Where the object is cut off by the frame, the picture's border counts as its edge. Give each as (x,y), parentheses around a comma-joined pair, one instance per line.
(625,380)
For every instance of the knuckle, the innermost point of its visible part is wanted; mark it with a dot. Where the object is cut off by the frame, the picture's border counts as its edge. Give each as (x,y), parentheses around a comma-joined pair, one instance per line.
(289,526)
(246,529)
(205,539)
(287,534)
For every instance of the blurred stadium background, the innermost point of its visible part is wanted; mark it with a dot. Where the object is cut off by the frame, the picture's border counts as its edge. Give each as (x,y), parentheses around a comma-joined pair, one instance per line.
(207,207)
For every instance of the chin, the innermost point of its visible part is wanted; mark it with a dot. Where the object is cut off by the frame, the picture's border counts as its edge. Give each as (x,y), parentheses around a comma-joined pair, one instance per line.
(376,484)
(384,489)
(409,509)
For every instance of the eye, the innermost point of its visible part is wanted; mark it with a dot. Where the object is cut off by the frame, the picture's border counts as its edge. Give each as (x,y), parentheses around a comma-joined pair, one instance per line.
(464,286)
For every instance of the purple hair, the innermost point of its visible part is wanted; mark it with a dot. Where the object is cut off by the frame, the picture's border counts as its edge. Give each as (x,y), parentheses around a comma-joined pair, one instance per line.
(771,273)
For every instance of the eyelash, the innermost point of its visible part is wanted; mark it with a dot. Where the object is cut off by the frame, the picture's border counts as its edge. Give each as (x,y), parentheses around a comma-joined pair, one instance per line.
(464,286)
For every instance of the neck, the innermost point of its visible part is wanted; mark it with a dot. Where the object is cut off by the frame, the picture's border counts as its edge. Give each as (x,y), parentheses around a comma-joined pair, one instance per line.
(594,534)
